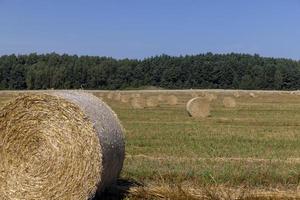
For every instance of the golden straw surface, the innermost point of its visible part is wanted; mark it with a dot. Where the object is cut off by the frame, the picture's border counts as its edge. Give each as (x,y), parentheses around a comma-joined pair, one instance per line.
(60,145)
(198,107)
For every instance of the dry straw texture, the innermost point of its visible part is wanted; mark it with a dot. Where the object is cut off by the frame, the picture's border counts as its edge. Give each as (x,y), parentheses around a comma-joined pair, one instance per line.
(125,98)
(210,97)
(161,98)
(138,103)
(117,96)
(60,146)
(152,101)
(198,107)
(172,100)
(229,102)
(251,94)
(110,95)
(236,94)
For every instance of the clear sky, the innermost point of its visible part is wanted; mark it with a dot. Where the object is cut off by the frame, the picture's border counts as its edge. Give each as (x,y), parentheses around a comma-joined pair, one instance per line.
(143,28)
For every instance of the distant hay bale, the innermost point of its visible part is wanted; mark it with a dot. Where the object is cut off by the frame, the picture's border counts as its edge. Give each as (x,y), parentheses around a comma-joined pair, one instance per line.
(172,100)
(125,98)
(198,107)
(99,94)
(251,94)
(117,96)
(138,103)
(236,95)
(59,145)
(229,102)
(194,94)
(136,95)
(210,97)
(110,95)
(152,101)
(161,98)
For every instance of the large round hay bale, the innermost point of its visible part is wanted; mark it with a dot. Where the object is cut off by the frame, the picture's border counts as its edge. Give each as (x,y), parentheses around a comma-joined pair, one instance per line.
(138,103)
(172,100)
(229,102)
(152,101)
(198,107)
(60,145)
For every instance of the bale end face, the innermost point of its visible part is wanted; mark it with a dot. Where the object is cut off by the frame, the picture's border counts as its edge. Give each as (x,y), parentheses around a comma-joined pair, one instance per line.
(198,107)
(60,145)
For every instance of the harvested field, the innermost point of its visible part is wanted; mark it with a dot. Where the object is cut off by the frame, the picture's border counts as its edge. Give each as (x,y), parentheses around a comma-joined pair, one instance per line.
(229,102)
(251,151)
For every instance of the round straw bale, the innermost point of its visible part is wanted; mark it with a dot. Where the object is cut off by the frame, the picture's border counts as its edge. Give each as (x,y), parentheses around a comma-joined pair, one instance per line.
(59,145)
(229,102)
(138,103)
(152,101)
(125,98)
(161,98)
(135,95)
(251,94)
(194,94)
(172,100)
(236,94)
(198,107)
(210,97)
(117,96)
(110,95)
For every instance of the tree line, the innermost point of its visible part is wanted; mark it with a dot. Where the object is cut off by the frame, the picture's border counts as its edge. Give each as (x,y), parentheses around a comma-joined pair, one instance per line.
(210,71)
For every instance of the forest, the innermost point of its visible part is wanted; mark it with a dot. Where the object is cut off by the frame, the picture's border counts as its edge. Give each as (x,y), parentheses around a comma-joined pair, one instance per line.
(209,71)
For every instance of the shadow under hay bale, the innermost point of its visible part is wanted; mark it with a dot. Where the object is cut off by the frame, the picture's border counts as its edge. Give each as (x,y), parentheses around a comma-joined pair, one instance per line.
(119,190)
(198,107)
(59,145)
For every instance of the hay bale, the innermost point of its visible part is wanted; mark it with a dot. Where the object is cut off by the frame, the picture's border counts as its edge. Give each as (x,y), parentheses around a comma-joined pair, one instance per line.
(194,94)
(125,98)
(136,95)
(236,95)
(138,103)
(152,101)
(229,102)
(198,107)
(251,94)
(172,100)
(210,97)
(59,145)
(161,98)
(110,95)
(117,96)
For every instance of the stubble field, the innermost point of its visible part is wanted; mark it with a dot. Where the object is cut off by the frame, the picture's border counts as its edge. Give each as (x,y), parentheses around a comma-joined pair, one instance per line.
(246,152)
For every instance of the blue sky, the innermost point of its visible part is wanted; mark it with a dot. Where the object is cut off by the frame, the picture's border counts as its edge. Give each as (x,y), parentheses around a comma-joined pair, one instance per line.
(140,28)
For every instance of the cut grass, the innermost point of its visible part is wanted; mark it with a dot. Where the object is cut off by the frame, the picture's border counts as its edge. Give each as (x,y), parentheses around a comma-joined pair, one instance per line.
(254,145)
